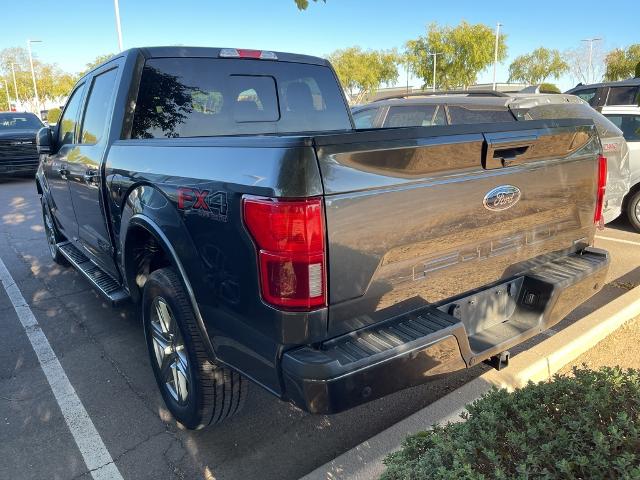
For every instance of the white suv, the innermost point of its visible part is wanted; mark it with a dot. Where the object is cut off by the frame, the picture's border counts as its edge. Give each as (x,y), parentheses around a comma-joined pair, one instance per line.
(627,119)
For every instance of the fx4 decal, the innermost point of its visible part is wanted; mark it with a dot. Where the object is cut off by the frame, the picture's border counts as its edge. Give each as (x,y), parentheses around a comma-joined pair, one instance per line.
(203,202)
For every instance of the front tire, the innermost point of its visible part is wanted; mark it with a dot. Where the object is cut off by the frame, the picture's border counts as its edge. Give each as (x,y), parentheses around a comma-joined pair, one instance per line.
(53,235)
(633,210)
(196,391)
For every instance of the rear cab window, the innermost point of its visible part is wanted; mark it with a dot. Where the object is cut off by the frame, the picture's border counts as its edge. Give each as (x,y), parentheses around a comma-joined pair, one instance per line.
(200,97)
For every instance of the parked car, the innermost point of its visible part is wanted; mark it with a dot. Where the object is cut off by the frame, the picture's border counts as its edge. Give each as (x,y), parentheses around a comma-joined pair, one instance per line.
(627,119)
(623,92)
(472,107)
(264,238)
(18,154)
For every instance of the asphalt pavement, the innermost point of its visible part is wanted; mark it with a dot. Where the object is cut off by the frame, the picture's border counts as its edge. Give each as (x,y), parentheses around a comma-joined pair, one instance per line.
(102,353)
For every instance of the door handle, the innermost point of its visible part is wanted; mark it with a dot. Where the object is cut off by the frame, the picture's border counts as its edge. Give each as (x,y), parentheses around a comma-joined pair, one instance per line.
(63,171)
(90,176)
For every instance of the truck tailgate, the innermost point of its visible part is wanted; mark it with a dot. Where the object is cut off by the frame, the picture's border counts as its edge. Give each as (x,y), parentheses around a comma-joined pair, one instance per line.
(416,216)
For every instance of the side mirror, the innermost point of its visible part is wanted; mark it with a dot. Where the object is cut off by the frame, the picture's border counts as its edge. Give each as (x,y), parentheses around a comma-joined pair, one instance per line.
(44,140)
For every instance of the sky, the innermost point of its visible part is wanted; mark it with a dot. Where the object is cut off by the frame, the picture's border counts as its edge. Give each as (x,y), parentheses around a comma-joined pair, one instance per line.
(74,32)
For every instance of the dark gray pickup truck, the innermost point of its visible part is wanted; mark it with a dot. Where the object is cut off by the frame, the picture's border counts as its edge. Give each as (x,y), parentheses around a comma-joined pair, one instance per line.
(264,238)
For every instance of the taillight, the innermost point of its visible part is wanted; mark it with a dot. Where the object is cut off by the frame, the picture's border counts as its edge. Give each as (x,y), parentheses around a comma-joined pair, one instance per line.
(289,235)
(602,183)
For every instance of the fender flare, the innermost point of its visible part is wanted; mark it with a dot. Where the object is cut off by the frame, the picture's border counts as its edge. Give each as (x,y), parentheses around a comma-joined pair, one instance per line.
(144,221)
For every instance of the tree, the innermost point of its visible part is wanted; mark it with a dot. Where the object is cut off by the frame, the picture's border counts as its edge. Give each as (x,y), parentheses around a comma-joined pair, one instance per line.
(53,115)
(362,72)
(303,4)
(578,61)
(53,83)
(537,66)
(96,61)
(464,51)
(621,62)
(549,88)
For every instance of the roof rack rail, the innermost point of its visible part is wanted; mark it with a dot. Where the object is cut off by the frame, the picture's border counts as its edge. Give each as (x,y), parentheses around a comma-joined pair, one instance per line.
(469,93)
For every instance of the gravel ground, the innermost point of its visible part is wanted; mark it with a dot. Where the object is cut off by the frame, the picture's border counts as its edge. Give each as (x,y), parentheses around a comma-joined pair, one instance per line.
(618,349)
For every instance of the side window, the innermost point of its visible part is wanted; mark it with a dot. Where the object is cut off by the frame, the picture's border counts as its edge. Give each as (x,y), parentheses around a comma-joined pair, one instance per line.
(623,96)
(69,119)
(588,95)
(97,107)
(461,115)
(411,116)
(629,124)
(365,118)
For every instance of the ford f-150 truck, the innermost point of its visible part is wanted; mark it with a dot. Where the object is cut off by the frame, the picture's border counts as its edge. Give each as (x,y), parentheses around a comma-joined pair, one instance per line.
(265,239)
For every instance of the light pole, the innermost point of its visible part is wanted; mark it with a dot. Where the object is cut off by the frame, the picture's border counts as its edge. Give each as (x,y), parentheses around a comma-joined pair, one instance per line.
(435,56)
(33,74)
(6,87)
(591,40)
(116,6)
(15,84)
(495,53)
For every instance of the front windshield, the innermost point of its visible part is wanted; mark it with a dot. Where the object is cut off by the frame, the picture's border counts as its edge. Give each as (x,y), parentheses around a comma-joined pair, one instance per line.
(19,121)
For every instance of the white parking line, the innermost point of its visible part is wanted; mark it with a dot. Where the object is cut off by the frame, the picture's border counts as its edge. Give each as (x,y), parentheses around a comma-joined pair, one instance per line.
(95,454)
(611,239)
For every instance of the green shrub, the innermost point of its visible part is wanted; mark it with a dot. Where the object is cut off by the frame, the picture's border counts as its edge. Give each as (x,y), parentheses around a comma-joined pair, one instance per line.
(581,427)
(549,88)
(53,115)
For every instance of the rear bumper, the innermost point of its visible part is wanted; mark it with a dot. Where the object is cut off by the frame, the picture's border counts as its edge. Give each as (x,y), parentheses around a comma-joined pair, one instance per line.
(409,350)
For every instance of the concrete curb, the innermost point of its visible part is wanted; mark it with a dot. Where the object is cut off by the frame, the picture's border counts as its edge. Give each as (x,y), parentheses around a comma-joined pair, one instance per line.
(364,462)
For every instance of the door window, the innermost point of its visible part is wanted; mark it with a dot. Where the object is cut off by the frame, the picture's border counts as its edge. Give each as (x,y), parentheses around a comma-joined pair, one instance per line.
(69,119)
(588,95)
(623,96)
(365,118)
(629,124)
(98,104)
(467,114)
(411,116)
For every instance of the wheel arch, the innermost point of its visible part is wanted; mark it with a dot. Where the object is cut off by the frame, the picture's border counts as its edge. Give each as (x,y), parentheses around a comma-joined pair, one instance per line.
(138,226)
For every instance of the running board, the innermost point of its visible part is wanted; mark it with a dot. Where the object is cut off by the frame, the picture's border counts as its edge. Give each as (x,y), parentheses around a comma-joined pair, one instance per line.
(101,280)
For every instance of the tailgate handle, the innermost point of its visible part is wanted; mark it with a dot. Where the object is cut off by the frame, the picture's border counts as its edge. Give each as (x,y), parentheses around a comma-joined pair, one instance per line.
(504,152)
(509,154)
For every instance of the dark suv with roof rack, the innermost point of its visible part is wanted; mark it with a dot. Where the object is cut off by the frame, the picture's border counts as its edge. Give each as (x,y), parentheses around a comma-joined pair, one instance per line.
(623,92)
(458,107)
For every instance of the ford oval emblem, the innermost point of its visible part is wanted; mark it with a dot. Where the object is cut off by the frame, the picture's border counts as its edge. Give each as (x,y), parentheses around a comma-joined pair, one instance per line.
(501,198)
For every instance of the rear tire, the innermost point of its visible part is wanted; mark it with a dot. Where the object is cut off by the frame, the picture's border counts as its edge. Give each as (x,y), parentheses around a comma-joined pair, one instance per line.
(633,210)
(53,235)
(196,391)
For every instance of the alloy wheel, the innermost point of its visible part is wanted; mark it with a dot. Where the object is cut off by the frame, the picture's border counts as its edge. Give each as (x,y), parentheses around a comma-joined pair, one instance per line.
(170,352)
(50,232)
